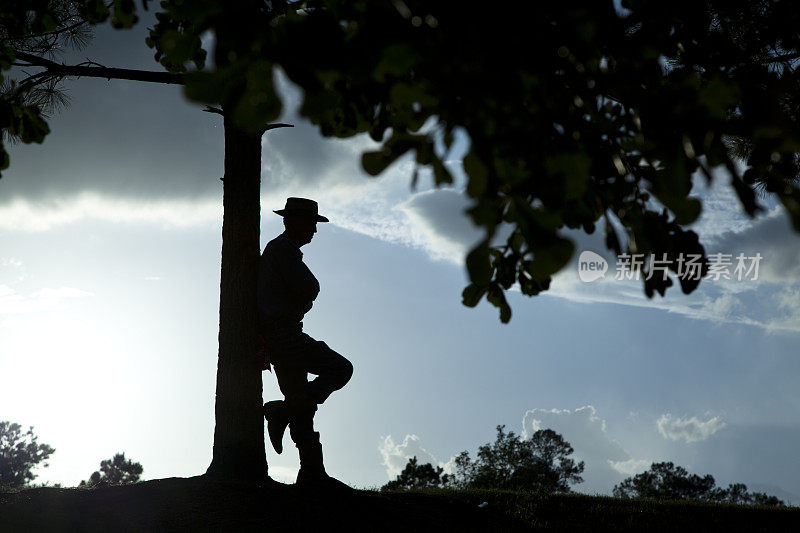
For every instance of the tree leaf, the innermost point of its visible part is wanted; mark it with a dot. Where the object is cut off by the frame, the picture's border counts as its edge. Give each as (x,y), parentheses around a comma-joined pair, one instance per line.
(472,294)
(478,265)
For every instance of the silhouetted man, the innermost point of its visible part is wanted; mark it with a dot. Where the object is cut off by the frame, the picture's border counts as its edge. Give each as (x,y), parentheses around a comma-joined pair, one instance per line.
(286,292)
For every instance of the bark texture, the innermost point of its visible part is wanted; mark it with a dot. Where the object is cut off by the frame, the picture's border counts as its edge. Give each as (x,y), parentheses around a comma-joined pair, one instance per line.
(239,432)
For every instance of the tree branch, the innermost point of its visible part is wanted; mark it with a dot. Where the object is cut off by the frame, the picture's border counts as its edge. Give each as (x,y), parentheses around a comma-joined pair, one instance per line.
(57,32)
(278,125)
(101,72)
(32,80)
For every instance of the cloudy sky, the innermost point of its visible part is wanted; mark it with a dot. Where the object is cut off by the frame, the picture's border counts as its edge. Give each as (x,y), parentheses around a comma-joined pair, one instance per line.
(109,286)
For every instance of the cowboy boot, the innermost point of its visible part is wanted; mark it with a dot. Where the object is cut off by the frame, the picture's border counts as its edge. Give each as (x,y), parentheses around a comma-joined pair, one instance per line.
(277,415)
(312,473)
(280,412)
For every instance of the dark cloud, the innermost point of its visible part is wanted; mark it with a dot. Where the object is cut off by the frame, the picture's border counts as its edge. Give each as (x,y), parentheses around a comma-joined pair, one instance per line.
(121,138)
(141,140)
(442,212)
(301,158)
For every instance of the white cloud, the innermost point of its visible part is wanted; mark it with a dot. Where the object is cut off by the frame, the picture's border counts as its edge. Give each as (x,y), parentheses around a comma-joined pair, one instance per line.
(37,216)
(771,236)
(631,467)
(586,432)
(789,300)
(13,303)
(582,422)
(384,207)
(722,307)
(433,220)
(11,262)
(439,226)
(743,302)
(722,211)
(706,303)
(59,294)
(11,268)
(395,456)
(300,162)
(284,474)
(788,304)
(689,429)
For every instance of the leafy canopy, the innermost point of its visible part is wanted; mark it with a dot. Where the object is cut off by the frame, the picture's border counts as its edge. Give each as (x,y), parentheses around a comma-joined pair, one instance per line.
(665,481)
(579,115)
(539,463)
(20,453)
(417,476)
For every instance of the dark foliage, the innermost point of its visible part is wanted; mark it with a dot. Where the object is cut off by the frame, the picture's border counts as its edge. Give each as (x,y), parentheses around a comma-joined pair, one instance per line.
(580,115)
(417,476)
(19,454)
(539,463)
(598,119)
(115,471)
(665,481)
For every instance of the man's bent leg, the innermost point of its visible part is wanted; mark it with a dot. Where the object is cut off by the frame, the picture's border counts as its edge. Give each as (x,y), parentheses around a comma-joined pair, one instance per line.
(333,371)
(302,355)
(298,406)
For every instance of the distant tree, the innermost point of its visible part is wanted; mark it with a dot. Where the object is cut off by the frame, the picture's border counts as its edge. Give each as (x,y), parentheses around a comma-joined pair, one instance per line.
(417,476)
(737,493)
(540,463)
(665,481)
(116,471)
(670,482)
(19,454)
(760,498)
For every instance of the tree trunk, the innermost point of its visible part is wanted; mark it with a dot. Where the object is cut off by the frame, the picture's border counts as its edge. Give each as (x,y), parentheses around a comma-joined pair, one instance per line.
(239,431)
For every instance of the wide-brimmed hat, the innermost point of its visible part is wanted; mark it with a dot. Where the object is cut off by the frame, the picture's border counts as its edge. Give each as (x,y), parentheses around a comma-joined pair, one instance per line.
(302,207)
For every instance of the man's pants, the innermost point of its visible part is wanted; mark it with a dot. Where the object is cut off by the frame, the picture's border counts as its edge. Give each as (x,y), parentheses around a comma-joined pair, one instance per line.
(295,355)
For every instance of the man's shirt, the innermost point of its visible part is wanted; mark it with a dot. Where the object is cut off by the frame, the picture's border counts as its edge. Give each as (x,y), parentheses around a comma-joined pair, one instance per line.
(286,287)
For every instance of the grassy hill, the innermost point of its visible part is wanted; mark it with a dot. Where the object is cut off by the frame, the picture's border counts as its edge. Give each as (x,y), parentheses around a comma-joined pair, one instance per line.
(200,504)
